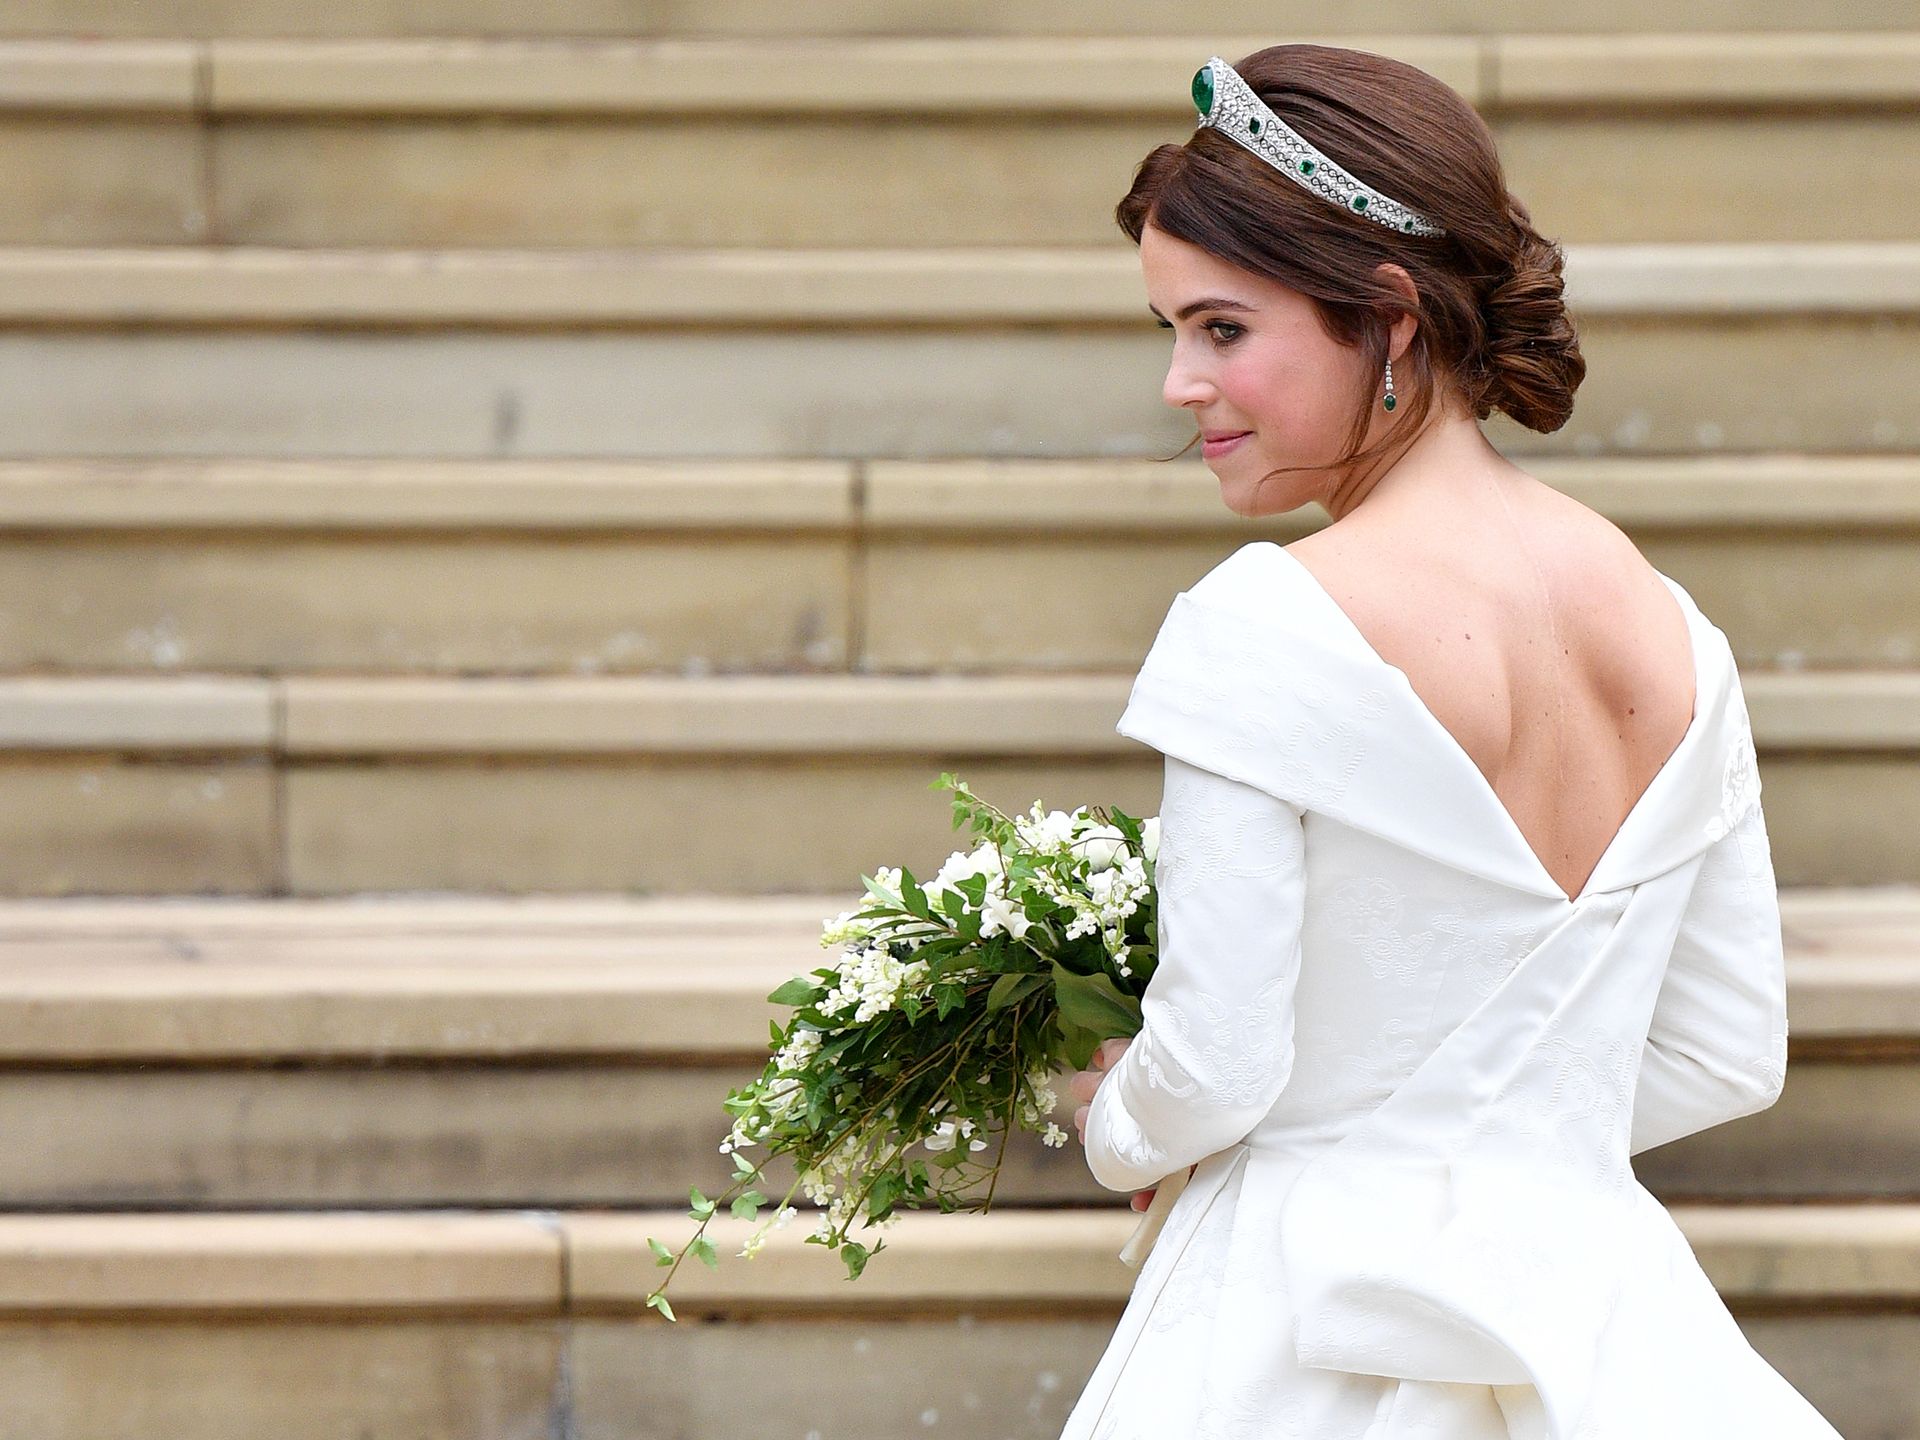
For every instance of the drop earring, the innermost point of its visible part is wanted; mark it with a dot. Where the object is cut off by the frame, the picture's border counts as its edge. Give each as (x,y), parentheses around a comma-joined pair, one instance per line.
(1390,399)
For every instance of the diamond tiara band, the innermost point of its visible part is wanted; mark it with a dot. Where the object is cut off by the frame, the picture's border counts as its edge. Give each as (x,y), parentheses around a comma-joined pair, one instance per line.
(1228,104)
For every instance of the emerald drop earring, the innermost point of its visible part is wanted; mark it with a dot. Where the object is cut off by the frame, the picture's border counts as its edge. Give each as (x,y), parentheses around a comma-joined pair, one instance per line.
(1390,400)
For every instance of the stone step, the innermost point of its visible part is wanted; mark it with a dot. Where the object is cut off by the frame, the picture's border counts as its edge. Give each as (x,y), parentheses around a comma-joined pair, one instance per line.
(534,1324)
(658,784)
(1366,21)
(607,567)
(1369,23)
(407,1052)
(888,140)
(845,354)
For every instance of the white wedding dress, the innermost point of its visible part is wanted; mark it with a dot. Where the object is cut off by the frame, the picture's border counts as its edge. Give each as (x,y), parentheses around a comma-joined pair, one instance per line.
(1412,1068)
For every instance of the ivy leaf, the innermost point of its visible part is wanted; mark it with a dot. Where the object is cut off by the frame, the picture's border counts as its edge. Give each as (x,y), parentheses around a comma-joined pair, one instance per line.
(797,991)
(855,1254)
(702,1247)
(661,1255)
(1094,1002)
(1013,987)
(746,1206)
(659,1302)
(702,1207)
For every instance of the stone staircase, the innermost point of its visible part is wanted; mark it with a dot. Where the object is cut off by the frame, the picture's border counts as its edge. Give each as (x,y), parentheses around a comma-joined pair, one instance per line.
(503,511)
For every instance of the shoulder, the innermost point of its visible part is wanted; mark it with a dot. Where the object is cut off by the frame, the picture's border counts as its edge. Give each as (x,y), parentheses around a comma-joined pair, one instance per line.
(1248,582)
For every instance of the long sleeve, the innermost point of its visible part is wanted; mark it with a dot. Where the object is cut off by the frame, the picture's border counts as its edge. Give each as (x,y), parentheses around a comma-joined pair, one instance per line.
(1216,1040)
(1717,1046)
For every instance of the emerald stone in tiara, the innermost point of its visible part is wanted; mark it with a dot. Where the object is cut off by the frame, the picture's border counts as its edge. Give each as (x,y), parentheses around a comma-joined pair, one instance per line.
(1228,104)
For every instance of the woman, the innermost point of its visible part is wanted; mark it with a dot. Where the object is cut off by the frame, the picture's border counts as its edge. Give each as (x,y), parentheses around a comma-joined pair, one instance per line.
(1465,890)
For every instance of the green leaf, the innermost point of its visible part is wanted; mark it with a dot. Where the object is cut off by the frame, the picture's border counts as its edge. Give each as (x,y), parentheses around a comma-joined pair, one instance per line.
(703,1250)
(797,991)
(855,1254)
(746,1206)
(1012,988)
(659,1302)
(912,896)
(661,1255)
(742,1167)
(1094,1002)
(702,1207)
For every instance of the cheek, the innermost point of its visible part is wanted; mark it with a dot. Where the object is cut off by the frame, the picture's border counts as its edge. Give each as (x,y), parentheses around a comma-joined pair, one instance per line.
(1288,391)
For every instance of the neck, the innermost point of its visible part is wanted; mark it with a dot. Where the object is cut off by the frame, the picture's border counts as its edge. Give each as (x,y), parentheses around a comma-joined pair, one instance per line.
(1450,451)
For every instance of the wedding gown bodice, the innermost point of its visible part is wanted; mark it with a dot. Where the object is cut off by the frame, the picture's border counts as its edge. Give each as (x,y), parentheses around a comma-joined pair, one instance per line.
(1413,1070)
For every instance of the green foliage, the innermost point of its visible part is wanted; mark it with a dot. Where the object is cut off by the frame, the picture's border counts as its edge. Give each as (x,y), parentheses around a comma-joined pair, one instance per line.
(957,1020)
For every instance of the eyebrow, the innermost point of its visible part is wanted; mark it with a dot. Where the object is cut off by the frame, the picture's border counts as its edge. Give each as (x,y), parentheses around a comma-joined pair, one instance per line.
(1206,302)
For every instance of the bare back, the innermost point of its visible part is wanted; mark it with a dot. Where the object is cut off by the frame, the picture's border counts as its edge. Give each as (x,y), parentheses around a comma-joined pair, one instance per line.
(1543,642)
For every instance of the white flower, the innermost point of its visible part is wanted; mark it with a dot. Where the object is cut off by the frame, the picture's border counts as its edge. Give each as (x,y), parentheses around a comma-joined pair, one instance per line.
(1051,831)
(1103,845)
(1150,837)
(842,929)
(1054,1136)
(799,1049)
(984,860)
(948,1133)
(998,913)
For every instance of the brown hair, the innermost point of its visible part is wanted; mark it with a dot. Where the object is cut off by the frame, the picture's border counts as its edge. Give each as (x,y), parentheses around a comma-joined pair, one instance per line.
(1492,322)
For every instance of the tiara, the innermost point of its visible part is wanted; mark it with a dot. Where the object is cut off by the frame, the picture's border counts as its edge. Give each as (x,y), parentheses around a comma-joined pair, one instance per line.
(1228,104)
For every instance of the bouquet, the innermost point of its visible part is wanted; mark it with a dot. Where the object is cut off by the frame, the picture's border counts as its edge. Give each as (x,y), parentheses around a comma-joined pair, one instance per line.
(937,1030)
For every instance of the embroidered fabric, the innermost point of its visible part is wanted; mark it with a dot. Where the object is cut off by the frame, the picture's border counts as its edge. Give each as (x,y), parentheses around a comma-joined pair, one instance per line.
(1412,1071)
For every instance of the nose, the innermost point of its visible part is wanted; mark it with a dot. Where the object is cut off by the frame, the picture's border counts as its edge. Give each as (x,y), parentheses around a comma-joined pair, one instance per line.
(1184,385)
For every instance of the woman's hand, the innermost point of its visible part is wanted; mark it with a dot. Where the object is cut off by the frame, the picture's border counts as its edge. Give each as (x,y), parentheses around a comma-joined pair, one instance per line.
(1083,1083)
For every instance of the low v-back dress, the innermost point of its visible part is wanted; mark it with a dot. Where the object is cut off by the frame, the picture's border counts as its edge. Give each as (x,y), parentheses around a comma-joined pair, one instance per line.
(1413,1069)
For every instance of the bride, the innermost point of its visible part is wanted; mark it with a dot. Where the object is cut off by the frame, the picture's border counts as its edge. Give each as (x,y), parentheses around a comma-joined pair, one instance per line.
(1464,884)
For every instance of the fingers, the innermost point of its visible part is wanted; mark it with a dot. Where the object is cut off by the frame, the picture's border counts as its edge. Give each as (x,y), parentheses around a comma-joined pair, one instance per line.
(1141,1199)
(1080,1122)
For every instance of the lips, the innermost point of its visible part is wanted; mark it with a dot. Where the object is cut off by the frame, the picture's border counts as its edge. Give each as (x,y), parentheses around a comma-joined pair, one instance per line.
(1213,435)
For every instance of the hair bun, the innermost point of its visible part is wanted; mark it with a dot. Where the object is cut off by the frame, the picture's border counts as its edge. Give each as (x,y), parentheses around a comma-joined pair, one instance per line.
(1533,358)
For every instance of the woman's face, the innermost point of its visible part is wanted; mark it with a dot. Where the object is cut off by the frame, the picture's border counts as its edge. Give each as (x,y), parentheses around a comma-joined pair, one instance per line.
(1249,355)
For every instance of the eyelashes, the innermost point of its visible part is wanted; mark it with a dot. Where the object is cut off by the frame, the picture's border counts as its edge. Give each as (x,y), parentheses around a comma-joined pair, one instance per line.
(1213,327)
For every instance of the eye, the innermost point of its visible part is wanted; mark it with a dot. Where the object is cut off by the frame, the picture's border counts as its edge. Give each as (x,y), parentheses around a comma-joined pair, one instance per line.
(1213,327)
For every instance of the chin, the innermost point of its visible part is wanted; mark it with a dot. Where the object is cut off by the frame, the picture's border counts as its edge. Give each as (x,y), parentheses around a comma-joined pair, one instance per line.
(1250,500)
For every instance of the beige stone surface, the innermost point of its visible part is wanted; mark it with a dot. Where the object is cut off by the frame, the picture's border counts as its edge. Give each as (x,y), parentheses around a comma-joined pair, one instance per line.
(862,75)
(1368,21)
(669,181)
(452,1379)
(1786,594)
(371,1130)
(95,825)
(1699,70)
(99,75)
(1090,284)
(115,713)
(1807,1254)
(1784,176)
(789,498)
(279,1263)
(574,604)
(736,827)
(1011,1376)
(378,1133)
(807,716)
(699,825)
(1653,386)
(388,978)
(1842,819)
(100,180)
(1840,1129)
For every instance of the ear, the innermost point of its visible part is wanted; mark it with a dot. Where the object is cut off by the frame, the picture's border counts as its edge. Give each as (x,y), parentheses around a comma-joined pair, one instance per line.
(1400,335)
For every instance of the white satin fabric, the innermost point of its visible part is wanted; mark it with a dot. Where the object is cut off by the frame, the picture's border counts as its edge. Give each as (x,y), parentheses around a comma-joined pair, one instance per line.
(1412,1068)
